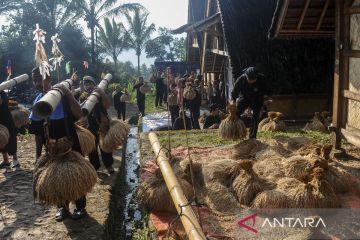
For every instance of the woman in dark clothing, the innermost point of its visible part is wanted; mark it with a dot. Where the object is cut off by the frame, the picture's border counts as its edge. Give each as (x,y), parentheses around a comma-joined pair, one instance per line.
(179,122)
(213,120)
(7,120)
(140,97)
(194,107)
(119,105)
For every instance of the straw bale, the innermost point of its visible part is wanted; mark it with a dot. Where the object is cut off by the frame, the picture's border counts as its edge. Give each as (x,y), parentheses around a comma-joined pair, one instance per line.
(297,166)
(115,136)
(222,170)
(248,184)
(263,122)
(60,179)
(219,197)
(315,124)
(4,136)
(154,195)
(273,123)
(293,144)
(232,128)
(86,140)
(247,149)
(270,199)
(270,168)
(297,192)
(20,117)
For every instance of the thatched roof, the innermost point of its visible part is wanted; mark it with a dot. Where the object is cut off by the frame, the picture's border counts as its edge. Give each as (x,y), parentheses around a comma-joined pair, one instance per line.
(303,18)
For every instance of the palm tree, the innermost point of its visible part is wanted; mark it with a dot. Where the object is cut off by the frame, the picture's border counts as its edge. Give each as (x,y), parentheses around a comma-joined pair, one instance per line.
(9,5)
(112,39)
(94,10)
(139,32)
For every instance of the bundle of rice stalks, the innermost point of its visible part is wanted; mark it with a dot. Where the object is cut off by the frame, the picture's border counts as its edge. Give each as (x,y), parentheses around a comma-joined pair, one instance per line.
(202,118)
(273,123)
(60,179)
(310,232)
(297,166)
(83,122)
(185,172)
(232,128)
(293,144)
(20,117)
(271,199)
(154,195)
(222,170)
(247,149)
(220,198)
(172,100)
(270,168)
(86,140)
(146,88)
(326,119)
(4,136)
(248,184)
(115,136)
(315,124)
(189,92)
(299,194)
(125,97)
(323,151)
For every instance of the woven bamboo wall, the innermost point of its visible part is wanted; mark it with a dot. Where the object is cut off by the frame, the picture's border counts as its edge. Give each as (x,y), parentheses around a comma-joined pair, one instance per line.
(354,114)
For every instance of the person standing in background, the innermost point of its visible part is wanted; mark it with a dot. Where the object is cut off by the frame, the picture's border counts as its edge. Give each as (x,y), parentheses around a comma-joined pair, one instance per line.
(118,104)
(159,86)
(140,97)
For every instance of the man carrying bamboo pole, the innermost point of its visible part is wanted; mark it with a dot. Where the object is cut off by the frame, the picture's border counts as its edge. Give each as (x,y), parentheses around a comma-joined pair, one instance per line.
(97,118)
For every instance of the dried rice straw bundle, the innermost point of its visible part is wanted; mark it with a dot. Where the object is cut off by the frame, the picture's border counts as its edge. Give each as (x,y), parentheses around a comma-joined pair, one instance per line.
(315,124)
(202,118)
(232,128)
(172,100)
(145,88)
(247,149)
(115,136)
(4,136)
(297,166)
(222,170)
(86,140)
(273,124)
(20,117)
(248,184)
(310,232)
(125,97)
(270,168)
(189,92)
(271,199)
(298,193)
(154,195)
(271,116)
(63,175)
(326,119)
(220,198)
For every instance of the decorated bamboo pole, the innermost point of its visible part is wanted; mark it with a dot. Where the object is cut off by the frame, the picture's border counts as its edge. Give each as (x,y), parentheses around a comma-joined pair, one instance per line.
(187,215)
(48,103)
(90,102)
(13,82)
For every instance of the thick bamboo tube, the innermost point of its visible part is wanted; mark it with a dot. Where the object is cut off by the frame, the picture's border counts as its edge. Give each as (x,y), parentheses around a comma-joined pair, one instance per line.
(187,215)
(13,82)
(48,103)
(91,101)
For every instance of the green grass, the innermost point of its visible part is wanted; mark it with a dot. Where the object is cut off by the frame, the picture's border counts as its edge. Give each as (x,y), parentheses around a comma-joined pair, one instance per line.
(210,138)
(150,104)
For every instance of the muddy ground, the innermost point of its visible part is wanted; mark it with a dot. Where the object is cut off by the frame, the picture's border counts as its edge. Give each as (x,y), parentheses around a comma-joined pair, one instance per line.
(23,218)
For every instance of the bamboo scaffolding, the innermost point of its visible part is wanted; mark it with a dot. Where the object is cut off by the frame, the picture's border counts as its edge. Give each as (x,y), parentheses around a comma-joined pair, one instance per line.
(186,213)
(91,101)
(13,82)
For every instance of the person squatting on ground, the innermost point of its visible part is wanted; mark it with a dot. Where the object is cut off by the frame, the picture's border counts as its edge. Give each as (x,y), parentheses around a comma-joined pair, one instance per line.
(140,97)
(213,120)
(60,124)
(96,118)
(7,121)
(179,122)
(250,90)
(118,104)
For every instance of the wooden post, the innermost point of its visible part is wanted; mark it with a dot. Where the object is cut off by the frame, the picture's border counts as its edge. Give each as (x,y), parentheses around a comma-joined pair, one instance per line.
(187,215)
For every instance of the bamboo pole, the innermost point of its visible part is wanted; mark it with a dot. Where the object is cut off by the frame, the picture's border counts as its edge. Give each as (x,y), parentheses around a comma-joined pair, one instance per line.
(13,82)
(187,215)
(91,101)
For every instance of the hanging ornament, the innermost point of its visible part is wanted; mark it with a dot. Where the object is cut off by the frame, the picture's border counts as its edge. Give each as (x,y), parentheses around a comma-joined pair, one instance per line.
(40,54)
(58,57)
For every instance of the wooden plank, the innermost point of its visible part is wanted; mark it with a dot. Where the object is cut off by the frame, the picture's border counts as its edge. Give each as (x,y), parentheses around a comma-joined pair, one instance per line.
(352,53)
(351,95)
(307,32)
(326,6)
(352,10)
(282,17)
(303,14)
(352,136)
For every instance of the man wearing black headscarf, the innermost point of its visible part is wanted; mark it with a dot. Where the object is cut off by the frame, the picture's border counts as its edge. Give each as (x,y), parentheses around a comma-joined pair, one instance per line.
(250,90)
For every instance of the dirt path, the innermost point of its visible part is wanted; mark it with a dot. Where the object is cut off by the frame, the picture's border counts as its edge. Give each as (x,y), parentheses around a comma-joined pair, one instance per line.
(22,218)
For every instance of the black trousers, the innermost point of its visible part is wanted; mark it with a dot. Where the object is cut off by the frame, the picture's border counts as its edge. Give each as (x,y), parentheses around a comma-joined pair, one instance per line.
(165,94)
(141,105)
(174,113)
(195,115)
(106,158)
(159,97)
(242,105)
(121,111)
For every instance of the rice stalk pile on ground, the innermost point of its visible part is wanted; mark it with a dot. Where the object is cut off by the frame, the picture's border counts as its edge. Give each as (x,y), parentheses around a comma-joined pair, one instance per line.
(273,123)
(86,140)
(315,124)
(232,128)
(4,136)
(115,136)
(154,195)
(20,117)
(62,175)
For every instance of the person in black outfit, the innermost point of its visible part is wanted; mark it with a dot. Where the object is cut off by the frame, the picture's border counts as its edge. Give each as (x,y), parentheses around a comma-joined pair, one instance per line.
(174,108)
(140,97)
(250,91)
(7,121)
(61,124)
(179,122)
(160,87)
(213,121)
(94,118)
(119,105)
(194,107)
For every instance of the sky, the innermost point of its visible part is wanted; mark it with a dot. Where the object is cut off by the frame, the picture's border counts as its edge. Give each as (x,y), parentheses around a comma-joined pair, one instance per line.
(163,13)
